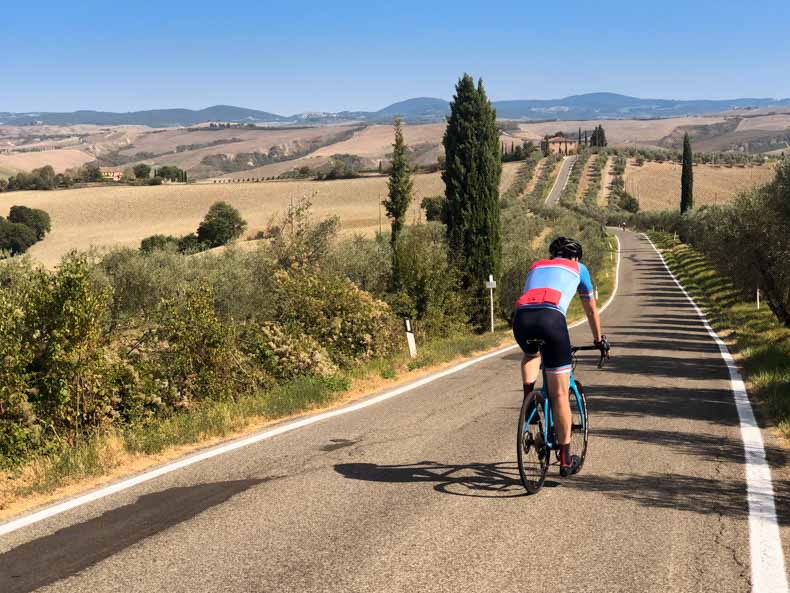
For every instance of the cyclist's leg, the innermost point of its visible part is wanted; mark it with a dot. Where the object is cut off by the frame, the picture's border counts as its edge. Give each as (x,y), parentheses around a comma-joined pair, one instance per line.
(524,330)
(530,368)
(558,384)
(557,360)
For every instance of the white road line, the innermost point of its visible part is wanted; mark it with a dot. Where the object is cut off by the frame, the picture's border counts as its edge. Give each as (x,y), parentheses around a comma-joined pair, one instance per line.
(67,505)
(767,557)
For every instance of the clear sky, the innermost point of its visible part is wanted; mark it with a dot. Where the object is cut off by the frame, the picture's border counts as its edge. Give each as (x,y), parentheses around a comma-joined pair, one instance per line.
(293,56)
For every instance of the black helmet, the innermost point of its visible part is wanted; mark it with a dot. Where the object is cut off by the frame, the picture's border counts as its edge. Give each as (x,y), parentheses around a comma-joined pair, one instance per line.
(565,247)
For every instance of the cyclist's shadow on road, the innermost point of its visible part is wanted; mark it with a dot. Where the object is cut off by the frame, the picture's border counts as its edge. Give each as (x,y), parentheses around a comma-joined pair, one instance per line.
(482,480)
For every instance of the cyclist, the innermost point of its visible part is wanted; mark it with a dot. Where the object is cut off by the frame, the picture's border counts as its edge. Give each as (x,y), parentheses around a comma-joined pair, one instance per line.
(540,315)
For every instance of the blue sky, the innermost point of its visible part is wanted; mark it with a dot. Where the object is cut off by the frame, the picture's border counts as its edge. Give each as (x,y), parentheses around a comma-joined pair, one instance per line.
(295,56)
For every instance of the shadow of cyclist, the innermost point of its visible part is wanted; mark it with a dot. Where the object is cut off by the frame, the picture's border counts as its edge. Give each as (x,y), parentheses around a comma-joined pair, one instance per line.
(482,480)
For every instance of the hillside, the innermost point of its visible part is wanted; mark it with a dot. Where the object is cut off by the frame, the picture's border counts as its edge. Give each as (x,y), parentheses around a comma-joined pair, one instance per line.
(269,151)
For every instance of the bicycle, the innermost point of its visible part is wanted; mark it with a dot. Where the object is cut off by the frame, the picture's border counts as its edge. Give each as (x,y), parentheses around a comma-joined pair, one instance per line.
(536,438)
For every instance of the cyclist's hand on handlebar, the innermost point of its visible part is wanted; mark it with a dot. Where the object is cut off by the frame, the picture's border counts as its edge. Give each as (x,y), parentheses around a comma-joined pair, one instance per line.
(604,346)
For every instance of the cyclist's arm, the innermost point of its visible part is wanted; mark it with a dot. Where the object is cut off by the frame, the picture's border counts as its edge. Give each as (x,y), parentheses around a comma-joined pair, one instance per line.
(587,295)
(591,310)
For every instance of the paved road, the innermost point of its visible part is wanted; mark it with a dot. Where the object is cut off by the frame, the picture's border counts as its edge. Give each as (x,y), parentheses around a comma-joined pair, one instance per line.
(562,180)
(421,492)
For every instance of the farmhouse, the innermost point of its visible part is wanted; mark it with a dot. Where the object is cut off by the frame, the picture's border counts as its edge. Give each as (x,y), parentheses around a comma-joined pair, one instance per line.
(110,174)
(562,145)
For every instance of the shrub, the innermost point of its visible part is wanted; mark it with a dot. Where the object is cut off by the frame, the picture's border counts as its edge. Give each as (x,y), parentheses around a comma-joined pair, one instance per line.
(15,238)
(430,289)
(351,324)
(297,240)
(142,171)
(19,428)
(435,208)
(66,322)
(190,354)
(158,242)
(627,202)
(222,224)
(366,262)
(285,356)
(155,180)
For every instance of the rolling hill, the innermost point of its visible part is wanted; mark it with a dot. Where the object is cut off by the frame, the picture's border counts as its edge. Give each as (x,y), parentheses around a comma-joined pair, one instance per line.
(416,110)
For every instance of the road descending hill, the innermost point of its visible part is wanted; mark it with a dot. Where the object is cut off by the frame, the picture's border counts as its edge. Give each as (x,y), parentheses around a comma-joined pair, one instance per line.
(421,493)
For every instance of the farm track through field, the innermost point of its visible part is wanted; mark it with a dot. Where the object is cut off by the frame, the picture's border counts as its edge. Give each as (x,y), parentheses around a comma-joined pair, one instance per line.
(535,175)
(606,181)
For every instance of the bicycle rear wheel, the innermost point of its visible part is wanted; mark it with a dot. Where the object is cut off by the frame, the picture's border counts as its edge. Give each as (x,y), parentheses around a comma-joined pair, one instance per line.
(579,423)
(533,456)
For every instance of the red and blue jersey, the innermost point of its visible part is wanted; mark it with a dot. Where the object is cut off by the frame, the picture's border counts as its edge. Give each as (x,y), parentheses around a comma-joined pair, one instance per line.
(551,284)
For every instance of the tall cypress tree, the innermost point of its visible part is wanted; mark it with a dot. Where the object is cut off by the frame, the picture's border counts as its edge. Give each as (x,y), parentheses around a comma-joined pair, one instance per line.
(601,136)
(471,177)
(400,186)
(687,177)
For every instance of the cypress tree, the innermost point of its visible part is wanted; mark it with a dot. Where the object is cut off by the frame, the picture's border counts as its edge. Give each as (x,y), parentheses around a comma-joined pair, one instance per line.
(601,137)
(471,177)
(687,177)
(579,142)
(400,188)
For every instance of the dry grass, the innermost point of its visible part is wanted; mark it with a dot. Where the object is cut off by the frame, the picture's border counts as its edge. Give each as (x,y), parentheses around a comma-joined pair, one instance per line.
(289,139)
(768,122)
(122,216)
(606,179)
(624,131)
(657,185)
(534,180)
(111,216)
(276,169)
(60,159)
(584,182)
(509,172)
(375,142)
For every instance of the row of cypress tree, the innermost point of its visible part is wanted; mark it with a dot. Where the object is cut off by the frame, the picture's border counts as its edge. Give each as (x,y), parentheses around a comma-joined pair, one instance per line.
(473,167)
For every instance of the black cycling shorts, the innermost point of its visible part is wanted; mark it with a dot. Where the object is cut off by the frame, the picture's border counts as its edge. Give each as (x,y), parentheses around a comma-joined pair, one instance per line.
(548,325)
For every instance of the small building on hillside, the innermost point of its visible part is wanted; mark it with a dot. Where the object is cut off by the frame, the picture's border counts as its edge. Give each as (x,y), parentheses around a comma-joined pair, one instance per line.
(563,145)
(110,174)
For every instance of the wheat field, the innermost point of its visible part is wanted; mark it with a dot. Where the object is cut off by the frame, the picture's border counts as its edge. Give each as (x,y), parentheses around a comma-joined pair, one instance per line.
(103,217)
(657,185)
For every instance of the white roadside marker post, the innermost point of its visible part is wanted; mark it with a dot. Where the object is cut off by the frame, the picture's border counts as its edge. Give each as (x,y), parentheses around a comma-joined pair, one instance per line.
(758,298)
(410,338)
(596,293)
(491,285)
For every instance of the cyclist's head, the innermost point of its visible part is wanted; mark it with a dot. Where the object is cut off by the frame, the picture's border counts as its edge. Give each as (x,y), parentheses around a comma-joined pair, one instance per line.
(566,247)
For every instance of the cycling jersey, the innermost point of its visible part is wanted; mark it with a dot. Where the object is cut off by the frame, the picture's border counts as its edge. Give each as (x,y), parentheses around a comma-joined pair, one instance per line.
(551,284)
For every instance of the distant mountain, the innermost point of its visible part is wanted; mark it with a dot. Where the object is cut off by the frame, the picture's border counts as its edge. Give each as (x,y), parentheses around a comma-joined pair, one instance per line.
(155,118)
(614,106)
(421,108)
(417,110)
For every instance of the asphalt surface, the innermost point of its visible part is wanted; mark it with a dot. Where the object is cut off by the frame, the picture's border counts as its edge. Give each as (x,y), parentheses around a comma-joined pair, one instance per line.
(562,180)
(421,492)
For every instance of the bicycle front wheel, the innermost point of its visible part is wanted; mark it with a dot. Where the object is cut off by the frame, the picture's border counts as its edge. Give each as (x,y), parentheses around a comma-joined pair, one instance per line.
(533,455)
(579,422)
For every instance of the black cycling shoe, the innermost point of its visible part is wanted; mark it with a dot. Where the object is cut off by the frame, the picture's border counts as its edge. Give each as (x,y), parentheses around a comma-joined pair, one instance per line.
(573,468)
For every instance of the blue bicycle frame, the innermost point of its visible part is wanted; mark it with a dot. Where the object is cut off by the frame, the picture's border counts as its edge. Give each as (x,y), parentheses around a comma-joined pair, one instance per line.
(548,430)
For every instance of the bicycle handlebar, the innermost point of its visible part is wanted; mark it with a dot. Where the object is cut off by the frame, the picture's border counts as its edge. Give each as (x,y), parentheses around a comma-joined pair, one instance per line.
(604,355)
